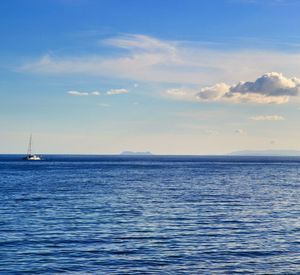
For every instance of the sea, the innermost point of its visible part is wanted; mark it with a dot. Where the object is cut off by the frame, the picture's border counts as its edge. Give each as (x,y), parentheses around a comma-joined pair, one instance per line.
(149,215)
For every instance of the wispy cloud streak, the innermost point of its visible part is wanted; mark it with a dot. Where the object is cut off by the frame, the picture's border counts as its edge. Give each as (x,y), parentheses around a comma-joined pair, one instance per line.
(117,92)
(146,58)
(78,93)
(268,118)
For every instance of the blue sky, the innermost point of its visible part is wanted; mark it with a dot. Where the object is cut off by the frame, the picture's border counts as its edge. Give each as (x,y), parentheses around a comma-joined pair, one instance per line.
(171,77)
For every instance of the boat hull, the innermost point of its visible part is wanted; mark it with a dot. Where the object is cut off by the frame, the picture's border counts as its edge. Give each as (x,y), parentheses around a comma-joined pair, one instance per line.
(33,158)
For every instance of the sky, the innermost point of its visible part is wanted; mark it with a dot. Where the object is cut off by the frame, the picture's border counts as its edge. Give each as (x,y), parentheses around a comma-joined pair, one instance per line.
(166,76)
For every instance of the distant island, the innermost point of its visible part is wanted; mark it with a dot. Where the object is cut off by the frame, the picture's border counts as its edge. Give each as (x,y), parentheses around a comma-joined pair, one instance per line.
(292,153)
(130,153)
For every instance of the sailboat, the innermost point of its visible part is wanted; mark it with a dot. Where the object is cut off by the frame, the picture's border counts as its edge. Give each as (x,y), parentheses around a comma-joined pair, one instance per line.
(31,156)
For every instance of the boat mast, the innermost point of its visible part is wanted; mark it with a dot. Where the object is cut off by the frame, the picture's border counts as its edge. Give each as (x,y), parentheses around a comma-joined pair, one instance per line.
(29,146)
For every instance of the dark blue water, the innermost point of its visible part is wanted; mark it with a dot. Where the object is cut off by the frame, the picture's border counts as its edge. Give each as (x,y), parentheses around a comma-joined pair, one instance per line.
(150,215)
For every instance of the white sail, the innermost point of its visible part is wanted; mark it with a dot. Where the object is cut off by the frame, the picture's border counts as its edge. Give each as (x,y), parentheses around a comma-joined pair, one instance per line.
(30,155)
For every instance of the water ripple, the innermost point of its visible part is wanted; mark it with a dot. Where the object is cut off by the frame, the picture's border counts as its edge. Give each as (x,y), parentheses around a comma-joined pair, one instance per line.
(162,215)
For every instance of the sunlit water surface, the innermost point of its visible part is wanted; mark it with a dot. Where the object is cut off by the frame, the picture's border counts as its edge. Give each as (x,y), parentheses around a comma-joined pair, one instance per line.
(150,215)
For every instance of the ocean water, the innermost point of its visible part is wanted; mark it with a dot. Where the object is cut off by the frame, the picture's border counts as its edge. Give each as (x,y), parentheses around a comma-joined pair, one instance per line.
(150,215)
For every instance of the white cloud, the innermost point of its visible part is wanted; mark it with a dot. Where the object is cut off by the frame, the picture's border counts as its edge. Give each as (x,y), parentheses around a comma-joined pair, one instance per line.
(141,42)
(117,91)
(177,92)
(257,99)
(213,93)
(95,93)
(77,93)
(268,117)
(270,84)
(145,58)
(270,88)
(181,94)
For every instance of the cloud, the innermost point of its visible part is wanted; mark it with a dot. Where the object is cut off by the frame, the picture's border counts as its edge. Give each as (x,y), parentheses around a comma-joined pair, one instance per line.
(185,94)
(141,42)
(177,92)
(269,117)
(95,93)
(145,58)
(270,88)
(213,93)
(76,93)
(141,59)
(117,91)
(270,84)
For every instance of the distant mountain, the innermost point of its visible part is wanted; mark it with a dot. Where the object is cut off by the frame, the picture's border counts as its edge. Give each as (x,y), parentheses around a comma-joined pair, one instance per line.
(130,153)
(266,153)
